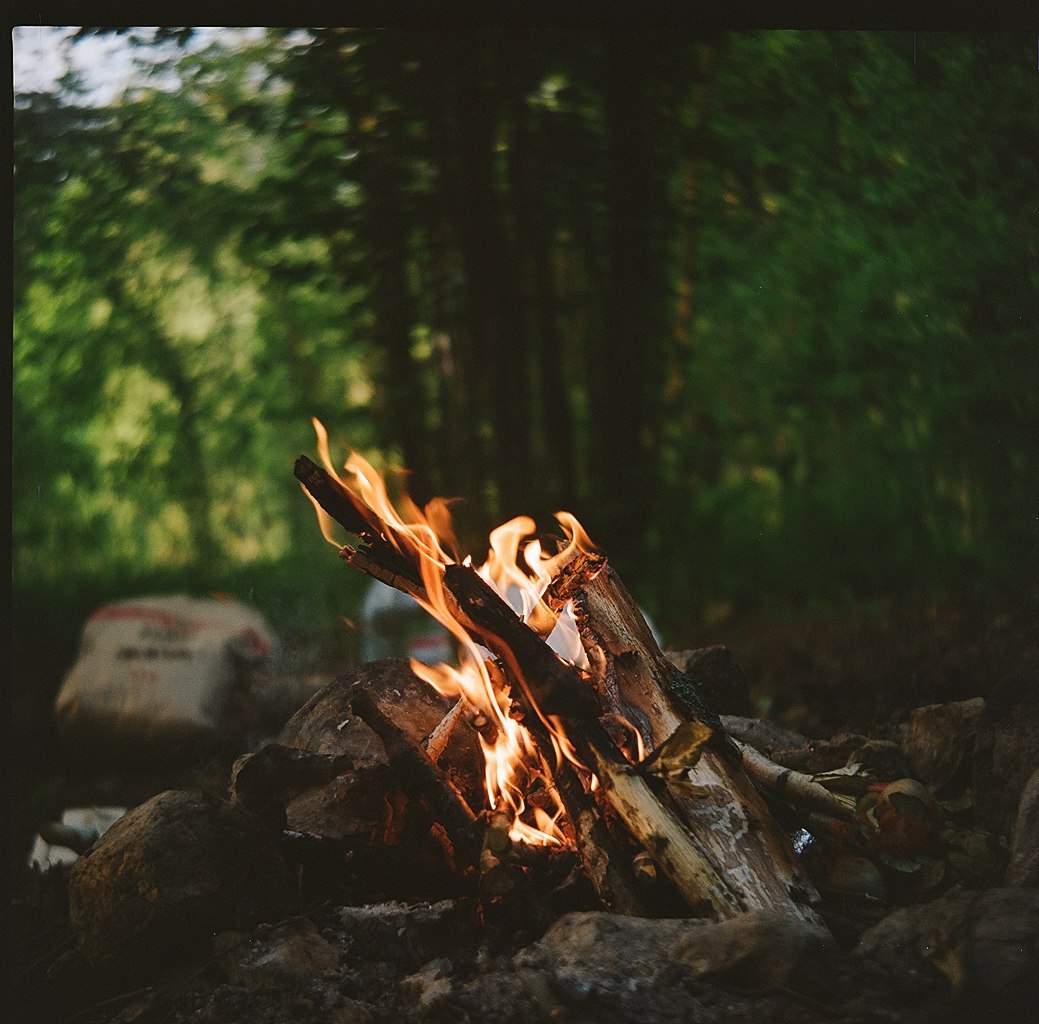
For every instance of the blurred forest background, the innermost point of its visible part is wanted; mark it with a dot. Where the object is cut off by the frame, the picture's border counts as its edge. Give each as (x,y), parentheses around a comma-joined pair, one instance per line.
(760,308)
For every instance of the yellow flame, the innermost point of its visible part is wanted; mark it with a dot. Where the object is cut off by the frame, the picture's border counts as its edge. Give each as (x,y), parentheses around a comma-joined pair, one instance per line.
(324,520)
(512,761)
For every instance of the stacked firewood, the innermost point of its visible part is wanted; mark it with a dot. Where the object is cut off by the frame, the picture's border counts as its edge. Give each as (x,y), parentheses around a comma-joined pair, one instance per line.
(684,819)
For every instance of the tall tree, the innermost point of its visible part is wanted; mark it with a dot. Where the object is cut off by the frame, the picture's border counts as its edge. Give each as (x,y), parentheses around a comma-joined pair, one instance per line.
(626,370)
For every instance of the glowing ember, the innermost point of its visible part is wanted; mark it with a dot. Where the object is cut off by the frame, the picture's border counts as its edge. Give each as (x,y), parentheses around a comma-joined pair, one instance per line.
(520,572)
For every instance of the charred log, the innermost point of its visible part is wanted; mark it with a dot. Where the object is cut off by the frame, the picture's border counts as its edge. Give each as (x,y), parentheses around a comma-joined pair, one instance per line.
(421,778)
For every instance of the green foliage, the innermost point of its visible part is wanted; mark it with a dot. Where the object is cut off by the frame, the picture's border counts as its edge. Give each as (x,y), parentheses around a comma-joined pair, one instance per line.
(842,381)
(760,308)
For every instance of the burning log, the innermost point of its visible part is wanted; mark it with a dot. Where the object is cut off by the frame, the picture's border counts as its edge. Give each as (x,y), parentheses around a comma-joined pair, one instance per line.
(749,864)
(708,783)
(423,779)
(603,861)
(350,785)
(674,817)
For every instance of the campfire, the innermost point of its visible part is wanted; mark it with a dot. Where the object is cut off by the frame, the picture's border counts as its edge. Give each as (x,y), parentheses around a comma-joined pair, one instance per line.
(592,741)
(562,824)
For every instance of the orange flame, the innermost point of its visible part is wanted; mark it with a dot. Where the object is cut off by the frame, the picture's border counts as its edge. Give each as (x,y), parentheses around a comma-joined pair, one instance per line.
(512,761)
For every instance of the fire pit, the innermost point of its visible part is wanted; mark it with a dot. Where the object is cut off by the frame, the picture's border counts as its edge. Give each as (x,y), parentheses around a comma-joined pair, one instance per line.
(591,738)
(563,825)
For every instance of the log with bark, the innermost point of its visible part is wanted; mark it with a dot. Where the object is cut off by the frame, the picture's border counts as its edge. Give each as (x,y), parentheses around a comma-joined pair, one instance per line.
(718,802)
(689,805)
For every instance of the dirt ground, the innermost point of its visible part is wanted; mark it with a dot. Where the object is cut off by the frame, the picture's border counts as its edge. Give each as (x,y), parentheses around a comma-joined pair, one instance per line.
(859,669)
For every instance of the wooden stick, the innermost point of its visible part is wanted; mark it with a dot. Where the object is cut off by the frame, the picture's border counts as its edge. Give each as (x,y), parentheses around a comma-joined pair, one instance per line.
(337,501)
(631,673)
(438,739)
(794,786)
(677,851)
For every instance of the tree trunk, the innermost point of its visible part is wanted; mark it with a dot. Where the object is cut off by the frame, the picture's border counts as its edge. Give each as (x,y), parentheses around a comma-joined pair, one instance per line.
(553,435)
(400,394)
(625,372)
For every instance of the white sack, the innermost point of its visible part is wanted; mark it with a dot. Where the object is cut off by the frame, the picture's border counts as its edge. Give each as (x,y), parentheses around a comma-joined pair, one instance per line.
(156,672)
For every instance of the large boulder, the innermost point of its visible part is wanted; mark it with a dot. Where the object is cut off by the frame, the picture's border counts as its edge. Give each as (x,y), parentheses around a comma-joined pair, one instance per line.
(167,877)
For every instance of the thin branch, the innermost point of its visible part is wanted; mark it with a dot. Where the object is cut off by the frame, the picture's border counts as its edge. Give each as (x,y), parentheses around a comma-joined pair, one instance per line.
(794,786)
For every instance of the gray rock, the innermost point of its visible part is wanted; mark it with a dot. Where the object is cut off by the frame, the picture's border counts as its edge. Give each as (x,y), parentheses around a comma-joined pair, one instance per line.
(349,1011)
(592,950)
(288,954)
(940,736)
(883,759)
(167,876)
(763,735)
(1003,765)
(430,986)
(407,934)
(721,682)
(759,950)
(964,743)
(984,944)
(597,967)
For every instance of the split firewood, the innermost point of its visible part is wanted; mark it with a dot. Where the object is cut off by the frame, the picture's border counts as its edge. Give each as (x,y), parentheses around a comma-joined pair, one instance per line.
(711,788)
(560,690)
(679,830)
(421,777)
(437,741)
(557,689)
